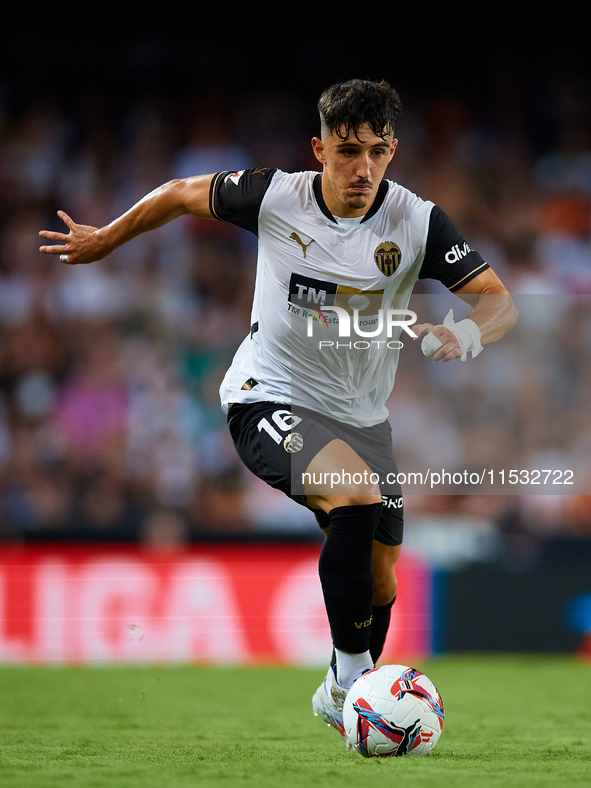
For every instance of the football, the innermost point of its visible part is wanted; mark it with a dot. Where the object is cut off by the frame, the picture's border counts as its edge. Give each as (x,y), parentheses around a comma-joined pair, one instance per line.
(393,710)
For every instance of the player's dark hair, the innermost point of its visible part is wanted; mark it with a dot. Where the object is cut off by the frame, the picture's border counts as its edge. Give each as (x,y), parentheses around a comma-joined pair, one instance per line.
(347,106)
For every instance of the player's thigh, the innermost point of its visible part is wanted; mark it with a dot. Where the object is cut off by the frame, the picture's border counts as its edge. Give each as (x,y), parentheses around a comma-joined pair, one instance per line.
(276,444)
(338,476)
(374,445)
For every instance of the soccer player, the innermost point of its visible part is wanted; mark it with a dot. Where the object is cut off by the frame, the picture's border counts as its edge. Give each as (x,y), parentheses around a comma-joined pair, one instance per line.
(333,245)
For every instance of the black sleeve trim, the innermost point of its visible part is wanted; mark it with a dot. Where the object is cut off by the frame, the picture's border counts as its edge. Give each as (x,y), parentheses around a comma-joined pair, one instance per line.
(236,197)
(469,277)
(212,190)
(448,258)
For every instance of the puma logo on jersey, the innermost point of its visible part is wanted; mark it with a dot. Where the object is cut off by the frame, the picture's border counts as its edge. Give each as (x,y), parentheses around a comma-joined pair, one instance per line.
(295,237)
(455,253)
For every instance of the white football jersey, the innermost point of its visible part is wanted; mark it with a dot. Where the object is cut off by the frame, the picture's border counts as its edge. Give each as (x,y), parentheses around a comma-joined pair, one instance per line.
(323,335)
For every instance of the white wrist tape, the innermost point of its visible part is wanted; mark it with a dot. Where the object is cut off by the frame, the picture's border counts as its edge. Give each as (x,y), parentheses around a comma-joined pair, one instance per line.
(466,332)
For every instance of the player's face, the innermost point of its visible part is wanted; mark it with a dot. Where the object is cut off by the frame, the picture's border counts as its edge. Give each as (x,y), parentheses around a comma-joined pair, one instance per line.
(353,169)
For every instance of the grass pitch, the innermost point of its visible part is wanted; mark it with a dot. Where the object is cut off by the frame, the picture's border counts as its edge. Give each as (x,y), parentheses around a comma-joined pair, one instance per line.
(510,721)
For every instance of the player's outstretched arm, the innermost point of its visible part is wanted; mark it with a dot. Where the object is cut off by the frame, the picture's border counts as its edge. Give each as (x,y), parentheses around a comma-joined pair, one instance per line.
(86,244)
(493,315)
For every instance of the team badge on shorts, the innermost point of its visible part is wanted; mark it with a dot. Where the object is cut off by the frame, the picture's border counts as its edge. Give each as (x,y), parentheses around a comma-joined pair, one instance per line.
(387,256)
(293,443)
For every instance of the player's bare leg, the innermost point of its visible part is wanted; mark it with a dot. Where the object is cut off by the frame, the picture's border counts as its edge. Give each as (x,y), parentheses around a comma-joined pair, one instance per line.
(336,457)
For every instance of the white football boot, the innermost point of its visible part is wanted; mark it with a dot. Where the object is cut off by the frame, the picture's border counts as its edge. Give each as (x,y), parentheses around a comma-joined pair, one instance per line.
(328,702)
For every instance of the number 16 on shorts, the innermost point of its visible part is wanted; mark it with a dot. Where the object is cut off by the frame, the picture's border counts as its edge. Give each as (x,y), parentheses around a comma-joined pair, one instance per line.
(284,420)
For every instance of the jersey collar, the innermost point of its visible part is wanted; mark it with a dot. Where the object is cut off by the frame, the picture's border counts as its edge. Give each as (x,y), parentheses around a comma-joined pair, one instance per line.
(374,208)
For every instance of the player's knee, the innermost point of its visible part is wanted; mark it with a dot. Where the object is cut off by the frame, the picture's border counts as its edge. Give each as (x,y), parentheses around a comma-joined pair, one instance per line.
(362,499)
(327,503)
(352,495)
(363,492)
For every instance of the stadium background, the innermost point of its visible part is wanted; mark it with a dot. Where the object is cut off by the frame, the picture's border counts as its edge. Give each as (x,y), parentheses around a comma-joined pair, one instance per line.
(110,429)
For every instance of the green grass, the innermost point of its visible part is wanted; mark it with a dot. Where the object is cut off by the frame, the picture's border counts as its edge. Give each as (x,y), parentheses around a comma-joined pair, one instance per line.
(510,721)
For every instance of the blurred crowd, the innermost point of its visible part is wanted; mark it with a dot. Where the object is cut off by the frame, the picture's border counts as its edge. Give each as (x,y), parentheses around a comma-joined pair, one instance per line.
(110,424)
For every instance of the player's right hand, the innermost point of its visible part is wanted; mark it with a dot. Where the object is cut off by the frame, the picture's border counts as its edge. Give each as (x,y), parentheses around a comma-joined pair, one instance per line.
(80,245)
(438,342)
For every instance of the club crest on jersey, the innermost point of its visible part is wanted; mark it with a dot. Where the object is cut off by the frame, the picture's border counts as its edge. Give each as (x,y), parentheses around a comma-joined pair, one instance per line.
(293,443)
(387,256)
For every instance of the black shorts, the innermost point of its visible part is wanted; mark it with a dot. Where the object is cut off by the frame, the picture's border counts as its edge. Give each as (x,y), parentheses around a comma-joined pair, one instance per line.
(278,443)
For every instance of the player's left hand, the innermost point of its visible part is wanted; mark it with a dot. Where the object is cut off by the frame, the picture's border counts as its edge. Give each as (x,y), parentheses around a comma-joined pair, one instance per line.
(450,345)
(80,245)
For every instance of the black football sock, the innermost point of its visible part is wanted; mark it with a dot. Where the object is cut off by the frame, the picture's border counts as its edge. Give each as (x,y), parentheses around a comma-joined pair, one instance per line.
(380,623)
(346,575)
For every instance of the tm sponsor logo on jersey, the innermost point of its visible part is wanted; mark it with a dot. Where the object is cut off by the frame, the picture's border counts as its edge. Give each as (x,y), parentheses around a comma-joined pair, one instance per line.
(456,253)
